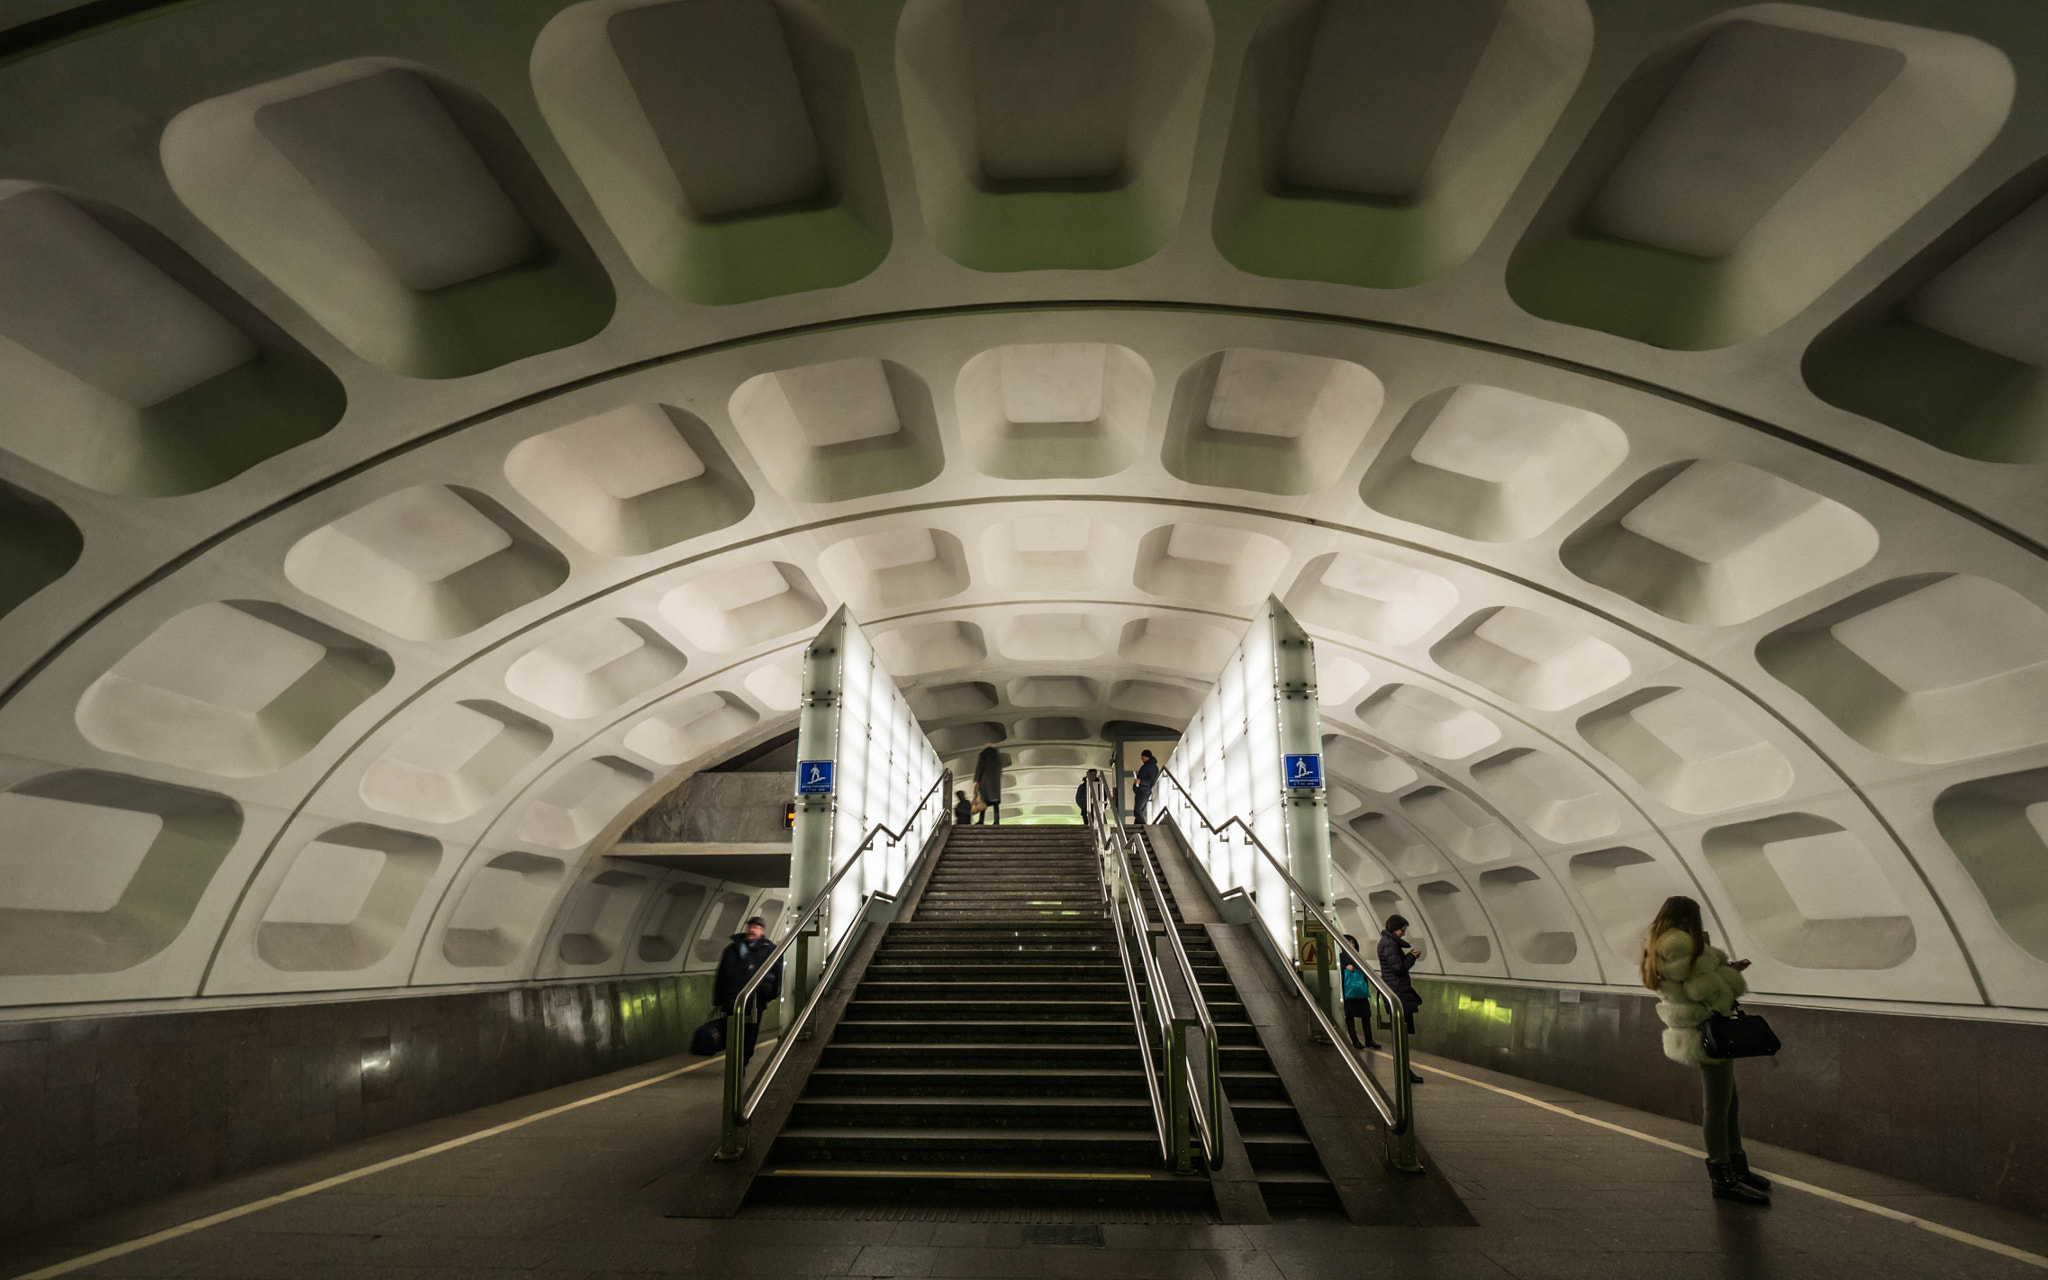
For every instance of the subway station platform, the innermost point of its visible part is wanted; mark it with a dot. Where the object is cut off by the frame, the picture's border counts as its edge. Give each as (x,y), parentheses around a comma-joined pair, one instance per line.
(511,511)
(578,1181)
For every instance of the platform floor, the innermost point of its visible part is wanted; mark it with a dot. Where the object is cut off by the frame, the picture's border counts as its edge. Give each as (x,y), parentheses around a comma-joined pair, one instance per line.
(575,1182)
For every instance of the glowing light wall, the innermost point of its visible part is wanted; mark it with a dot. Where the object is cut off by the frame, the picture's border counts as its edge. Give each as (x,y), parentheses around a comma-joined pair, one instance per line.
(854,716)
(1262,708)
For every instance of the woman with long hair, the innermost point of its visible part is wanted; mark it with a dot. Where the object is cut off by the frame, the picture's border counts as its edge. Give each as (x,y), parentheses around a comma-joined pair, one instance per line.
(1694,980)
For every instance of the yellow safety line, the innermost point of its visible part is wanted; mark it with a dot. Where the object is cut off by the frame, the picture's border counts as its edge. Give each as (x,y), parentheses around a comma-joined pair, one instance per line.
(962,1173)
(311,1188)
(1896,1215)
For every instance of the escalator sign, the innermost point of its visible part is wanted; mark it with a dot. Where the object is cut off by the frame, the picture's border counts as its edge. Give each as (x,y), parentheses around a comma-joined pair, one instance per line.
(1303,773)
(814,777)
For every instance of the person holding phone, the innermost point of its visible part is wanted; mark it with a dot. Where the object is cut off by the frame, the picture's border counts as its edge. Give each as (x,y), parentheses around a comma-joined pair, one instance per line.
(1695,980)
(1141,789)
(1397,957)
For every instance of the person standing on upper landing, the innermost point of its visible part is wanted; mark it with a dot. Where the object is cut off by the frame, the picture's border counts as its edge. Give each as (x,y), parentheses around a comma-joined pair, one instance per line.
(1082,801)
(1397,957)
(988,784)
(1693,981)
(1148,777)
(747,951)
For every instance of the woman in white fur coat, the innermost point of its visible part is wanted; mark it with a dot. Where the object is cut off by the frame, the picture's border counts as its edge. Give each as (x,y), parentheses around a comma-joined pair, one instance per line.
(1693,980)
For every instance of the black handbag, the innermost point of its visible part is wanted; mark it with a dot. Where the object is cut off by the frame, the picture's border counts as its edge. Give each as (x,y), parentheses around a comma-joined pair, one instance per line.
(1738,1035)
(709,1038)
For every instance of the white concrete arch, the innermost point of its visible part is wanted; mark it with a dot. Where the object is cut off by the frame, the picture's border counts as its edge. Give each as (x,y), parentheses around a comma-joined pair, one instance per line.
(392,512)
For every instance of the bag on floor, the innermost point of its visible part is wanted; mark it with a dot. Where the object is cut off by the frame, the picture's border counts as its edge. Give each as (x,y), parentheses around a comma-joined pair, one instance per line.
(1738,1035)
(709,1038)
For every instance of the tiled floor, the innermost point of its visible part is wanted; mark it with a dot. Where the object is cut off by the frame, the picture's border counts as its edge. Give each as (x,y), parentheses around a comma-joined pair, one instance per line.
(583,1194)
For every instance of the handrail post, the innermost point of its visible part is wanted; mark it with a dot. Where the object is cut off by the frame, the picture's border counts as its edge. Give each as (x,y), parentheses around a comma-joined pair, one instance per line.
(800,988)
(732,1137)
(1403,1153)
(1214,1092)
(1177,1096)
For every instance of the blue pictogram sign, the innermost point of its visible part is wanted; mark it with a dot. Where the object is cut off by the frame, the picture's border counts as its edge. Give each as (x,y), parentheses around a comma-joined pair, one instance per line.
(814,778)
(1303,773)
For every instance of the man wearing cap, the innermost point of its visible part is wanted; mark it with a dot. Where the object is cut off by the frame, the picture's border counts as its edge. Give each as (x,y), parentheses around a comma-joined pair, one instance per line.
(746,953)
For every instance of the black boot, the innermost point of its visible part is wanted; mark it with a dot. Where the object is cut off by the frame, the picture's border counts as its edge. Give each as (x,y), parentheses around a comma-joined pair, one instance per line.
(1728,1185)
(1371,1043)
(1754,1181)
(1414,1079)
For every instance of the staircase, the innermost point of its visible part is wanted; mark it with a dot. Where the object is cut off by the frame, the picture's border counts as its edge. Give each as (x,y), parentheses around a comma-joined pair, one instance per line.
(1290,1175)
(989,1049)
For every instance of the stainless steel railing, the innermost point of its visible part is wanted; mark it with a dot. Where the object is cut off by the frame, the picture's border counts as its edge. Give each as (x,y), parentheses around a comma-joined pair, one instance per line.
(1204,1105)
(1397,1108)
(1161,1125)
(741,1102)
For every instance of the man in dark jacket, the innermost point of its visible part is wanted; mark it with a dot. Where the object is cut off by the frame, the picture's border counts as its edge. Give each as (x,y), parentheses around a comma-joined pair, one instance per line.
(1148,777)
(1082,801)
(1396,959)
(988,782)
(743,955)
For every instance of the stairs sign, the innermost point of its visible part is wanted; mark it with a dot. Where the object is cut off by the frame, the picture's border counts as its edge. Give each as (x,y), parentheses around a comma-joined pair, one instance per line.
(814,778)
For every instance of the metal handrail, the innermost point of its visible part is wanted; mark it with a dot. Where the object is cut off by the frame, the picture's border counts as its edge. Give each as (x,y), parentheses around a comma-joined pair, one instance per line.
(1211,1103)
(1400,1133)
(1155,980)
(1123,948)
(794,1031)
(736,1113)
(1398,1110)
(1208,1104)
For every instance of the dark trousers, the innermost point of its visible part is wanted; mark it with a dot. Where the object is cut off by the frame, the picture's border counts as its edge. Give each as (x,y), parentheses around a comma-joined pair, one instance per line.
(752,1023)
(994,813)
(1139,799)
(1721,1125)
(1358,1009)
(1410,1002)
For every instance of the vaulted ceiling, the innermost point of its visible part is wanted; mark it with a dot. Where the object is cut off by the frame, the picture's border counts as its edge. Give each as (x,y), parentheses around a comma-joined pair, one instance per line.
(430,430)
